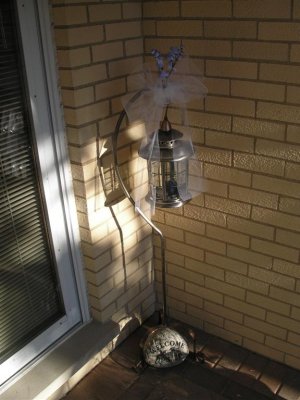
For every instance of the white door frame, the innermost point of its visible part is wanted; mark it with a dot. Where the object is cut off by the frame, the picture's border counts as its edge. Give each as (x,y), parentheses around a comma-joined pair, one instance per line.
(42,84)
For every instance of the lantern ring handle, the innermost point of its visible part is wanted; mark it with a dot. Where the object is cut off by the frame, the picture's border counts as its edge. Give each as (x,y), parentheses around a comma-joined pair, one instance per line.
(114,140)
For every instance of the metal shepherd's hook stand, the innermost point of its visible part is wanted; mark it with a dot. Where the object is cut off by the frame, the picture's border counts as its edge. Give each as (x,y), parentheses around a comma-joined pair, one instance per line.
(126,192)
(164,347)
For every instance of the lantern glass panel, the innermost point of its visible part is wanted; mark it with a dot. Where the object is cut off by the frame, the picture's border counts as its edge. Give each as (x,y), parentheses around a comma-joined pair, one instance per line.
(170,179)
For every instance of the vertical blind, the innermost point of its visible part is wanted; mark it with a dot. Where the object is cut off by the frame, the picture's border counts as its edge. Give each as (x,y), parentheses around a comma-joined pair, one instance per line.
(29,291)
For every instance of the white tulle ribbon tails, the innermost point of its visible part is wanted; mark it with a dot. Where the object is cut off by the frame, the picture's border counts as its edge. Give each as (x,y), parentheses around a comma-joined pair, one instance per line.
(174,87)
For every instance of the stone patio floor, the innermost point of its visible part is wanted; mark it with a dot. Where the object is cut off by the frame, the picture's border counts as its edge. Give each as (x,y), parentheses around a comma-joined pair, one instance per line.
(224,371)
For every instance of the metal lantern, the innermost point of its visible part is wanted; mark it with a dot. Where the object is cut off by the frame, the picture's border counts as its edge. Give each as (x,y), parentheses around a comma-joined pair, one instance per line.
(168,167)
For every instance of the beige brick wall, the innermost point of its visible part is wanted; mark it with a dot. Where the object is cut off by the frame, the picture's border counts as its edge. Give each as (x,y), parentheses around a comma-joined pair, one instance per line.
(233,265)
(98,43)
(234,268)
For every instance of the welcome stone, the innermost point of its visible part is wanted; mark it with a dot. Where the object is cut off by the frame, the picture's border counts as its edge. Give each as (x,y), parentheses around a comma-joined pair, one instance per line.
(165,347)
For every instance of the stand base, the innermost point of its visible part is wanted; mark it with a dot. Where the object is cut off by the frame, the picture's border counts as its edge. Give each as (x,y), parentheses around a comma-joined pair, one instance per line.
(165,347)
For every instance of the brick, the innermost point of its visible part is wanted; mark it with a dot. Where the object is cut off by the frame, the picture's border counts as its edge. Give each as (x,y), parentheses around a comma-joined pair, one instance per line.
(244,331)
(291,206)
(154,9)
(229,105)
(249,227)
(269,304)
(296,313)
(78,36)
(83,76)
(217,86)
(260,51)
(204,243)
(285,295)
(227,236)
(212,187)
(185,297)
(174,258)
(266,9)
(188,319)
(247,283)
(258,90)
(293,133)
(81,135)
(148,27)
(204,269)
(230,29)
(280,73)
(69,15)
(104,12)
(122,30)
(283,346)
(207,317)
(295,53)
(223,312)
(205,215)
(276,185)
(204,293)
(227,206)
(206,8)
(293,93)
(286,268)
(265,328)
(178,283)
(73,57)
(277,218)
(213,155)
(264,350)
(252,196)
(172,232)
(132,10)
(209,120)
(186,224)
(285,322)
(226,263)
(249,256)
(248,309)
(79,97)
(225,174)
(225,334)
(292,171)
(225,288)
(258,128)
(107,51)
(287,237)
(231,69)
(101,290)
(292,361)
(229,141)
(184,249)
(258,163)
(279,31)
(208,48)
(111,88)
(272,278)
(133,47)
(87,114)
(184,28)
(296,10)
(278,112)
(122,67)
(286,151)
(275,250)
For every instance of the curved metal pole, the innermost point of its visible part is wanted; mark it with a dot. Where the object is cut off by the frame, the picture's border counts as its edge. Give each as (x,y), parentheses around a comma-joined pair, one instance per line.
(128,195)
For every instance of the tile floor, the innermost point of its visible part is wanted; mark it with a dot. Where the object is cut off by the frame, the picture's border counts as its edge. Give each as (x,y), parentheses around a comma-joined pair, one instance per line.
(223,371)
